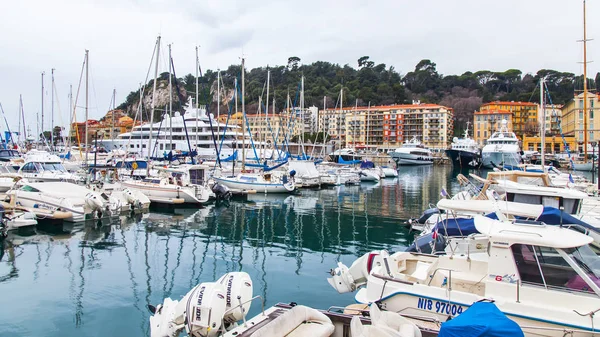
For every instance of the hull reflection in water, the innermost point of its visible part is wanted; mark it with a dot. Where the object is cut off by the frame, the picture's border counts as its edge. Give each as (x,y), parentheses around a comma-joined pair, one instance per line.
(78,278)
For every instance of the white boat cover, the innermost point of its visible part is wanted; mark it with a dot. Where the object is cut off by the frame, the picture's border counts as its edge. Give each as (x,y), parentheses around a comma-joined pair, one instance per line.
(489,206)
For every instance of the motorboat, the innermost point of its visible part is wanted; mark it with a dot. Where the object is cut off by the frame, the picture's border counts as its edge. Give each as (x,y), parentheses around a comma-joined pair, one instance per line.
(220,309)
(368,172)
(502,148)
(41,166)
(464,152)
(389,172)
(12,218)
(545,278)
(412,152)
(169,189)
(260,182)
(307,174)
(63,200)
(346,154)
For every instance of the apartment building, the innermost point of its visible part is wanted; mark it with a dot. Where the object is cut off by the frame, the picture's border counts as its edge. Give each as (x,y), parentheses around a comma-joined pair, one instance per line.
(573,118)
(485,122)
(387,127)
(524,115)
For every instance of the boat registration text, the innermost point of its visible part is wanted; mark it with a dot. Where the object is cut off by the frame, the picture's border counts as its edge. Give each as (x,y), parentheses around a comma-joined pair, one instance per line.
(439,307)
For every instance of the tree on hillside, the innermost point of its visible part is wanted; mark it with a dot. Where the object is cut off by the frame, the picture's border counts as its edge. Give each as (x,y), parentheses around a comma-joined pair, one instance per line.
(293,63)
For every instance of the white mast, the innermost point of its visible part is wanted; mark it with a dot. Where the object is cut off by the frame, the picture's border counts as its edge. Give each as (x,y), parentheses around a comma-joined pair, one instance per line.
(243,121)
(543,126)
(170,102)
(267,111)
(43,73)
(255,128)
(218,101)
(354,125)
(70,109)
(585,102)
(197,95)
(112,136)
(302,115)
(87,68)
(153,99)
(52,114)
(367,118)
(340,117)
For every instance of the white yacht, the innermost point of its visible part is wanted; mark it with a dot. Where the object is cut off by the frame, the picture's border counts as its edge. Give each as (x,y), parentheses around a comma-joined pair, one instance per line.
(502,148)
(545,278)
(412,152)
(41,166)
(172,134)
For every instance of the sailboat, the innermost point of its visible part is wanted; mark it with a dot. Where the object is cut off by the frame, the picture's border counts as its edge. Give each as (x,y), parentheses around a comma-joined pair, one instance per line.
(262,182)
(585,165)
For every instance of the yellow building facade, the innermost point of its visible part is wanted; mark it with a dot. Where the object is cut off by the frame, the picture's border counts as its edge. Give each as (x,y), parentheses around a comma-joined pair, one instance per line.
(524,115)
(554,144)
(573,119)
(487,121)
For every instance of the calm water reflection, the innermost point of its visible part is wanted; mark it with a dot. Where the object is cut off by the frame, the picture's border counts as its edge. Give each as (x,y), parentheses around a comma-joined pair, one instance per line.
(97,279)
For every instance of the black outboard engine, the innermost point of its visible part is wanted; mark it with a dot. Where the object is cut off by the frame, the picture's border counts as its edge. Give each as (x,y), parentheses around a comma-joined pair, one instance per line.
(222,192)
(3,227)
(428,213)
(432,243)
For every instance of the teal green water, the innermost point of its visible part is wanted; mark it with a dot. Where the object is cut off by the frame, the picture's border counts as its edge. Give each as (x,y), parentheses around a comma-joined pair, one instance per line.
(97,279)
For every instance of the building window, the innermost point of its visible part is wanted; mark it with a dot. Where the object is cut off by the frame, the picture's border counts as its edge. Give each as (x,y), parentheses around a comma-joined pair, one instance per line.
(478,134)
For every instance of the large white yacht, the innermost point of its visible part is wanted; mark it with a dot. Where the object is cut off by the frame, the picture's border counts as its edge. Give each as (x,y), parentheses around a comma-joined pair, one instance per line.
(412,152)
(464,152)
(502,148)
(170,134)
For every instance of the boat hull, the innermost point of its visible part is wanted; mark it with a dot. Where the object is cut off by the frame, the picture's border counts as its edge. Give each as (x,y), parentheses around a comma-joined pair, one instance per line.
(585,167)
(410,159)
(465,159)
(258,187)
(167,194)
(494,159)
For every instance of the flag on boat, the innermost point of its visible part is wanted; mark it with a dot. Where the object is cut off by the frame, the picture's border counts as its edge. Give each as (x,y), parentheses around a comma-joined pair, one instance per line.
(443,193)
(571,179)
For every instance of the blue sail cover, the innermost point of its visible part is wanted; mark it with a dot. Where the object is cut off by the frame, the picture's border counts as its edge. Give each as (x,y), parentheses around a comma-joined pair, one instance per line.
(348,162)
(230,158)
(482,319)
(549,216)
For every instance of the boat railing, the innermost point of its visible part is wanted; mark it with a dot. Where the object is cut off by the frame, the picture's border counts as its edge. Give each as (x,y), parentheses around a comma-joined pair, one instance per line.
(241,307)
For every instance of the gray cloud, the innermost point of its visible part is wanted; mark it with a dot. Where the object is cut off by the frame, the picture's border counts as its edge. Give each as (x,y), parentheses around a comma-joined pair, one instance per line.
(120,34)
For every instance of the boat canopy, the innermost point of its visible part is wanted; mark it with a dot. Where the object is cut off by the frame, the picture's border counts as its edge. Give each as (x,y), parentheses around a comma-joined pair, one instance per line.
(506,233)
(471,324)
(347,162)
(367,164)
(488,206)
(549,216)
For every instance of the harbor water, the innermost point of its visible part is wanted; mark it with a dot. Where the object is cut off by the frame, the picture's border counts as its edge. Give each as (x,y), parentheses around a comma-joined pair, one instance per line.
(96,279)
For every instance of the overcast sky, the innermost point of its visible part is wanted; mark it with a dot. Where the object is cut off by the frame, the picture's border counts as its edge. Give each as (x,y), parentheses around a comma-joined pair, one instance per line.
(459,35)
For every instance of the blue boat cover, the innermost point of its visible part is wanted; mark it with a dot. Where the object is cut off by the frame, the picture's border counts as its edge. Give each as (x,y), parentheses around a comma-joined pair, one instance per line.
(367,164)
(466,226)
(230,158)
(348,162)
(482,319)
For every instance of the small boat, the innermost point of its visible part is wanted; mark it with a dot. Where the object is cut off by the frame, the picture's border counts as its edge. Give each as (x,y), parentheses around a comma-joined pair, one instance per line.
(389,172)
(219,309)
(368,171)
(76,201)
(545,278)
(41,166)
(412,152)
(169,190)
(464,152)
(261,183)
(307,174)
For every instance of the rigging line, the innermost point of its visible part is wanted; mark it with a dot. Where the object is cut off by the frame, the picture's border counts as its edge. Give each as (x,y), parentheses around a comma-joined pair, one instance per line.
(74,118)
(59,112)
(212,131)
(187,136)
(141,96)
(245,119)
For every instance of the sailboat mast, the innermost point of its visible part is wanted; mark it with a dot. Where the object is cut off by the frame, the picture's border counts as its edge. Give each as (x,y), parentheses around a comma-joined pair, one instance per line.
(367,117)
(197,96)
(114,99)
(340,117)
(87,96)
(52,114)
(302,115)
(267,112)
(585,112)
(235,97)
(170,101)
(43,73)
(354,125)
(255,128)
(243,120)
(153,99)
(23,117)
(543,126)
(71,109)
(218,100)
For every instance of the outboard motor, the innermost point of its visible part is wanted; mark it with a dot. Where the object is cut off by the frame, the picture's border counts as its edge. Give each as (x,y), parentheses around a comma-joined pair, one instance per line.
(203,309)
(94,203)
(426,215)
(344,279)
(221,191)
(238,287)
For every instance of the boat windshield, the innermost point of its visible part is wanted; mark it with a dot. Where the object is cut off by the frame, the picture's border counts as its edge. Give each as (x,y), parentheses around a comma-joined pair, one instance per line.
(53,167)
(588,259)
